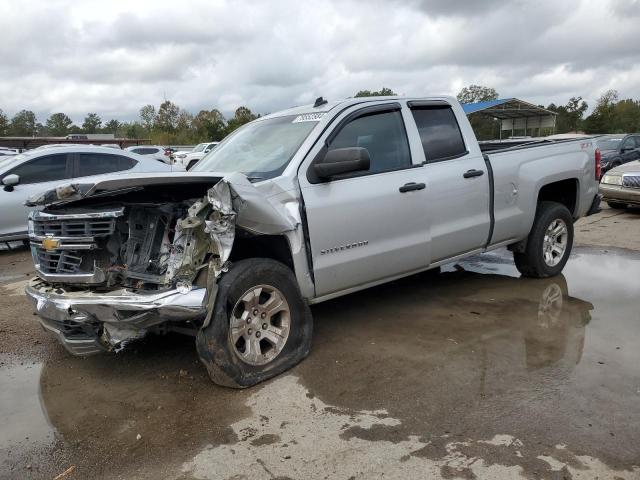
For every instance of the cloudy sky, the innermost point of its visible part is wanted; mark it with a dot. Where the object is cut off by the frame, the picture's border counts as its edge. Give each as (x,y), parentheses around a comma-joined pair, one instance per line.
(113,57)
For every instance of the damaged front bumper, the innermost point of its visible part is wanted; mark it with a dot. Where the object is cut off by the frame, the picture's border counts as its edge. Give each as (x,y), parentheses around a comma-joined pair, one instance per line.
(87,322)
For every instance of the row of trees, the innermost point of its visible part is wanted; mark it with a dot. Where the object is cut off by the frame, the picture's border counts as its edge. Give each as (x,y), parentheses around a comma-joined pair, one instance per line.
(170,124)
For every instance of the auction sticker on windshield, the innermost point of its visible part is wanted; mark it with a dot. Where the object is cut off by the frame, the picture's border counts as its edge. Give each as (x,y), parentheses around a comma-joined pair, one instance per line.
(309,117)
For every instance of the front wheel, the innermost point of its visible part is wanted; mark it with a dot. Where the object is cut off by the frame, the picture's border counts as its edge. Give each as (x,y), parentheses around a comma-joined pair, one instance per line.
(260,327)
(549,243)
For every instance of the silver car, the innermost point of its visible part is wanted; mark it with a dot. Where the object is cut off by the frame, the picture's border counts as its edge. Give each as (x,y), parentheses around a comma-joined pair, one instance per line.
(36,171)
(620,187)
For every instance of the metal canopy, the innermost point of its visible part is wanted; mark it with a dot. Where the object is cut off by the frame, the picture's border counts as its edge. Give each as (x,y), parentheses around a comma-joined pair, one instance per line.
(514,114)
(506,108)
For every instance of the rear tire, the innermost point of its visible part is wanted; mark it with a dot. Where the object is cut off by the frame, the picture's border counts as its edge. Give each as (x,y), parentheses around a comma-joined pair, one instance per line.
(617,205)
(250,338)
(549,243)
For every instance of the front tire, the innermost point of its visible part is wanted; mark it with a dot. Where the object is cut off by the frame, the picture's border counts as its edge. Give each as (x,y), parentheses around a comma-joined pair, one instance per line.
(260,327)
(549,243)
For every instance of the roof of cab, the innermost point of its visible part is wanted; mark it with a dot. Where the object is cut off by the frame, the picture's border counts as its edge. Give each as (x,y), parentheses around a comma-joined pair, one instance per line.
(326,107)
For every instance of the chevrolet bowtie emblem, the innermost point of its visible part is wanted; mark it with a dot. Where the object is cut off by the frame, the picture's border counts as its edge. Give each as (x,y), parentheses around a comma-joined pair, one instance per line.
(50,243)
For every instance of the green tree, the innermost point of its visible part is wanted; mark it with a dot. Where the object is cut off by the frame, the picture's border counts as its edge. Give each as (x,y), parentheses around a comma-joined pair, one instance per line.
(476,93)
(148,117)
(4,124)
(92,123)
(627,116)
(602,119)
(167,117)
(209,125)
(383,92)
(112,126)
(23,124)
(242,115)
(58,124)
(575,111)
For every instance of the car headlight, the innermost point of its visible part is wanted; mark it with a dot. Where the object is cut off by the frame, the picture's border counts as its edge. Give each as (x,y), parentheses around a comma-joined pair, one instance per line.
(184,155)
(612,179)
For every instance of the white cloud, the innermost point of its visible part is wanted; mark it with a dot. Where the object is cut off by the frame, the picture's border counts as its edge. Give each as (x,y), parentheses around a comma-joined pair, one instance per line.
(76,57)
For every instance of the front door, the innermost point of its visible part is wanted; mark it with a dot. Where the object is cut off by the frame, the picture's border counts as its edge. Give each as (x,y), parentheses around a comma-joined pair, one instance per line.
(371,226)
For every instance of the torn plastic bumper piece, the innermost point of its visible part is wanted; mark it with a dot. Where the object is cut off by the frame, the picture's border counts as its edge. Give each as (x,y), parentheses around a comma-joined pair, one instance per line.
(88,322)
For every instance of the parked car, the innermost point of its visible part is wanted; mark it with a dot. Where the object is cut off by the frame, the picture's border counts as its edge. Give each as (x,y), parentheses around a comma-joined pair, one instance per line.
(292,209)
(7,152)
(620,187)
(153,151)
(618,149)
(188,160)
(38,170)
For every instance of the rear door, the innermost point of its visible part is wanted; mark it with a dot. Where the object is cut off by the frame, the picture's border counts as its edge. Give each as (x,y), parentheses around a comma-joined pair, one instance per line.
(36,176)
(457,182)
(369,226)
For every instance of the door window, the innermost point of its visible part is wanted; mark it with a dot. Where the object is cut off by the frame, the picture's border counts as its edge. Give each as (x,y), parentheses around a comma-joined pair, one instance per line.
(383,135)
(42,169)
(629,143)
(439,132)
(99,163)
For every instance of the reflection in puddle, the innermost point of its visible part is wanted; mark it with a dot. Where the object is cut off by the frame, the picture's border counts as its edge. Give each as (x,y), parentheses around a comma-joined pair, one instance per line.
(21,415)
(473,368)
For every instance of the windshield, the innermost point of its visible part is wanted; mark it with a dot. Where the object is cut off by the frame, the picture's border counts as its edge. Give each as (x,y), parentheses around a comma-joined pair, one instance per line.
(609,143)
(199,147)
(261,149)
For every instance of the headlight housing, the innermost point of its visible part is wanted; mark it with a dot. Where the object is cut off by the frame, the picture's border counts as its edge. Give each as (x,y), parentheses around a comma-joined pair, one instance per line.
(612,179)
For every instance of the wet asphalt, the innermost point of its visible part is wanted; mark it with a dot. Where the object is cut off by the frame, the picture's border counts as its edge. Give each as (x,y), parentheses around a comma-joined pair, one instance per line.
(472,372)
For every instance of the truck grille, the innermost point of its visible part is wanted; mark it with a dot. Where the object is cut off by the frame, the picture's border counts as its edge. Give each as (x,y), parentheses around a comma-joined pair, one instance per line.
(75,228)
(632,181)
(68,247)
(58,261)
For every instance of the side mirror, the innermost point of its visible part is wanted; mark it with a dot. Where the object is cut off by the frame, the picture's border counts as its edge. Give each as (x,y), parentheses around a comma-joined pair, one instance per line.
(343,160)
(10,181)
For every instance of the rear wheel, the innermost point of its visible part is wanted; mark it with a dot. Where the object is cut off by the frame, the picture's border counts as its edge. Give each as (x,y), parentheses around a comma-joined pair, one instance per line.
(617,205)
(549,243)
(260,326)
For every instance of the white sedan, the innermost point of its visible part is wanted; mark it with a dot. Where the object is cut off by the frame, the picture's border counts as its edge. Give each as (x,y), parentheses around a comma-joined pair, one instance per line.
(36,171)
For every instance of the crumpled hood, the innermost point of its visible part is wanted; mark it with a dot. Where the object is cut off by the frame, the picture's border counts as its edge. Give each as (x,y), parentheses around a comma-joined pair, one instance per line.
(631,167)
(107,184)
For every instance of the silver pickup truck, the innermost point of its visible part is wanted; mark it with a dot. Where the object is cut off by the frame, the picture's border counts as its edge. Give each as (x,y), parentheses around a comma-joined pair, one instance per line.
(292,209)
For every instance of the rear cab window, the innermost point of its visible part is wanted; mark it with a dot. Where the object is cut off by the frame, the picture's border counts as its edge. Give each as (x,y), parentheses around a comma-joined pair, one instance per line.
(439,131)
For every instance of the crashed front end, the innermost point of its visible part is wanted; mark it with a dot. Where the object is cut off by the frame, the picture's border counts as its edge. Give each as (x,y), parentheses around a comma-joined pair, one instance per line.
(114,266)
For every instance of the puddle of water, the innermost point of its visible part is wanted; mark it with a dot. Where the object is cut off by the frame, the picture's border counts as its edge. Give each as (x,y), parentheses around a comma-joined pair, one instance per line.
(24,422)
(472,371)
